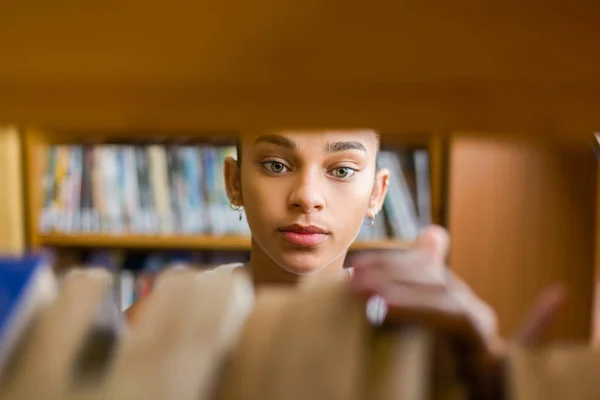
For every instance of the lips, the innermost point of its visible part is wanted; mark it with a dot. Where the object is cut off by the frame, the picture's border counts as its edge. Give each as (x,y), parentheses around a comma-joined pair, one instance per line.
(301,235)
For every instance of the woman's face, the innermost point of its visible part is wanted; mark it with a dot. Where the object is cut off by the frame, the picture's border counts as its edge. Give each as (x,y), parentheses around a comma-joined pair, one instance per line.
(306,195)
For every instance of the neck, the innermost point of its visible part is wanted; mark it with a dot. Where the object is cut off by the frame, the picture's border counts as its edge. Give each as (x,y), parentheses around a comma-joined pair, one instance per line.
(266,272)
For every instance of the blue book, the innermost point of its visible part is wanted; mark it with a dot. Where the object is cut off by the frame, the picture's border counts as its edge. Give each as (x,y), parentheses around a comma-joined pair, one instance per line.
(26,283)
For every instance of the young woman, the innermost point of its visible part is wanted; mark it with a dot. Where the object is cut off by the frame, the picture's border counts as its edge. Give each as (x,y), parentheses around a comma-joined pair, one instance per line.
(306,195)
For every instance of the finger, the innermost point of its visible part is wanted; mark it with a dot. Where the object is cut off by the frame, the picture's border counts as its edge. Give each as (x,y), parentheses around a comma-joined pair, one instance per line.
(423,263)
(434,308)
(367,284)
(374,281)
(400,274)
(361,283)
(404,297)
(371,283)
(435,241)
(453,304)
(374,258)
(542,315)
(405,269)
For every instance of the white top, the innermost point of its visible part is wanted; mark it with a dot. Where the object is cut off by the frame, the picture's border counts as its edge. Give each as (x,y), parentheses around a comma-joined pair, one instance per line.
(376,307)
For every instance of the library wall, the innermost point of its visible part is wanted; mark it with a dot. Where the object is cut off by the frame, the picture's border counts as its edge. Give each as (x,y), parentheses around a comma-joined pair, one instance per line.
(522,217)
(12,239)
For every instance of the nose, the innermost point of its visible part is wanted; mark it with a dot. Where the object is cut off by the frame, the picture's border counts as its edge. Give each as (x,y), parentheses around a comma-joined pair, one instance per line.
(308,192)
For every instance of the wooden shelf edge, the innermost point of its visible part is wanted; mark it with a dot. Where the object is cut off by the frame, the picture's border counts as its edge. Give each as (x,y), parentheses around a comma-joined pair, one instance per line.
(202,242)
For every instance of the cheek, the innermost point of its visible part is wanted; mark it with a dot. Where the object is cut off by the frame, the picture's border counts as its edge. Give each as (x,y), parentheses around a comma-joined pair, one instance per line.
(348,207)
(261,202)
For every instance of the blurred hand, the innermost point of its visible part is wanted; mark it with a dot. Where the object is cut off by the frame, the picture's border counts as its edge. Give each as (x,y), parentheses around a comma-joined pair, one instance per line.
(418,288)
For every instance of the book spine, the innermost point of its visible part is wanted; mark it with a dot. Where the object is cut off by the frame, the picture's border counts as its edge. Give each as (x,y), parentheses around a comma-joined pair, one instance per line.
(160,185)
(121,190)
(98,222)
(224,212)
(61,178)
(200,187)
(187,196)
(145,190)
(86,189)
(131,189)
(400,208)
(211,214)
(421,158)
(76,183)
(172,184)
(49,186)
(111,189)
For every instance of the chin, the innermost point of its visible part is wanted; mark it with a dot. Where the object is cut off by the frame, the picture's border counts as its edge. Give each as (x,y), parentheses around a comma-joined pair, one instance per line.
(303,264)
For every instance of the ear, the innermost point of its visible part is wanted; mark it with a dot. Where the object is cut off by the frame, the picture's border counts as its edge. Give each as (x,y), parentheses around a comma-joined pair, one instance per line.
(232,181)
(379,191)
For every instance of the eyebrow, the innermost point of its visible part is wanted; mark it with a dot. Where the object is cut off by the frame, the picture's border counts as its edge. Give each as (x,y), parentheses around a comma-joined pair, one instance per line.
(334,147)
(278,140)
(343,146)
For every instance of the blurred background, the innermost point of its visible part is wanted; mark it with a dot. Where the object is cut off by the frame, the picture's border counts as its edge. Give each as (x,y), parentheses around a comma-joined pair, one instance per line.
(117,116)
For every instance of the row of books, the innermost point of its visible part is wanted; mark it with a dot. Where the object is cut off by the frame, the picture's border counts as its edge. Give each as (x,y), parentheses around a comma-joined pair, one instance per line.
(142,189)
(135,272)
(180,189)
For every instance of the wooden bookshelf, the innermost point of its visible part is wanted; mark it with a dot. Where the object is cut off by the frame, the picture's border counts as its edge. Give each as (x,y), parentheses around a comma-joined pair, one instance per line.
(12,236)
(189,71)
(522,217)
(205,242)
(205,76)
(595,334)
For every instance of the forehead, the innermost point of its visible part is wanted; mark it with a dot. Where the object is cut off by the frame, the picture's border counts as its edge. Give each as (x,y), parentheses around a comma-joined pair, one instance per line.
(308,139)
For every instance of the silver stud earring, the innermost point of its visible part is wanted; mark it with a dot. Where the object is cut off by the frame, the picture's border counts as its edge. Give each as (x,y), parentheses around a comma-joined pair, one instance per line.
(370,219)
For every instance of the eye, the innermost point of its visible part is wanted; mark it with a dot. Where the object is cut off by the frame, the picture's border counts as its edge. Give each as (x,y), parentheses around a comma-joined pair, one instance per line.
(343,172)
(275,167)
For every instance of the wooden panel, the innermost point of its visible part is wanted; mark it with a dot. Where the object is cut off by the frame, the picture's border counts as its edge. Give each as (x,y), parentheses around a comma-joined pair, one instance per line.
(521,217)
(552,111)
(396,66)
(234,44)
(12,237)
(438,174)
(596,309)
(35,164)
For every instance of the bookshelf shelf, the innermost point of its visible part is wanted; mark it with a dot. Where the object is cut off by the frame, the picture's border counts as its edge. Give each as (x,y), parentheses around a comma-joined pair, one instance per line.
(204,242)
(179,242)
